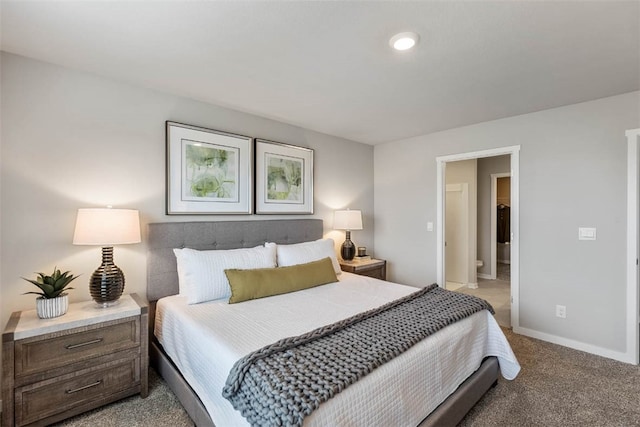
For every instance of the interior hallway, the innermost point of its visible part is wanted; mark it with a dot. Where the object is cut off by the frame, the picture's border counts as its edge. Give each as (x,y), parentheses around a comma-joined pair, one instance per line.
(497,293)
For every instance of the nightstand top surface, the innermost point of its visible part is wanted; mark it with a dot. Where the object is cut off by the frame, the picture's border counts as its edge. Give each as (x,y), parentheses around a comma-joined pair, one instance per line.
(357,262)
(80,314)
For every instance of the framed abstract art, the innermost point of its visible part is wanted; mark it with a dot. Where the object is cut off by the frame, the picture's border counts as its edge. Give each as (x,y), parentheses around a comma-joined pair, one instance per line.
(208,171)
(284,178)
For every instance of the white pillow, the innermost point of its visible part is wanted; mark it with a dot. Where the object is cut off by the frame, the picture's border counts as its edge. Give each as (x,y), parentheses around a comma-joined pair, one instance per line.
(302,253)
(201,273)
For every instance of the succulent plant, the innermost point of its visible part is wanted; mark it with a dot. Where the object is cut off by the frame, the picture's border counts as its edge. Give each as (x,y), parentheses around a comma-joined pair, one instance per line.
(51,286)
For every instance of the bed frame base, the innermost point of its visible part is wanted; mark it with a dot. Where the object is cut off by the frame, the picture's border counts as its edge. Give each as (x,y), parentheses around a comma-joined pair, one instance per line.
(159,361)
(449,413)
(459,403)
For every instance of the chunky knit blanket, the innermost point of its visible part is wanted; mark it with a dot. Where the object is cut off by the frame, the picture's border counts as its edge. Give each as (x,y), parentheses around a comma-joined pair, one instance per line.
(282,383)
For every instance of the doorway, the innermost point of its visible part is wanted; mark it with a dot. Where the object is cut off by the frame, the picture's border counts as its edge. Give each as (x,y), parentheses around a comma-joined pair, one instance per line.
(500,226)
(494,236)
(441,258)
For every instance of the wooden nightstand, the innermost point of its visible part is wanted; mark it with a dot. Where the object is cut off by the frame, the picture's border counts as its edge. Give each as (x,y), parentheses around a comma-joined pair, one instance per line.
(372,267)
(56,368)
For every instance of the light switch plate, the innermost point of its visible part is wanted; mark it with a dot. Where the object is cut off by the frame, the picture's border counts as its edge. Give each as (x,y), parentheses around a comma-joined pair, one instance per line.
(586,233)
(429,226)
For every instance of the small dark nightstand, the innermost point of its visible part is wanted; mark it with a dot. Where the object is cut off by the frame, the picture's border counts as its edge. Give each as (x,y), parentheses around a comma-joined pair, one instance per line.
(376,268)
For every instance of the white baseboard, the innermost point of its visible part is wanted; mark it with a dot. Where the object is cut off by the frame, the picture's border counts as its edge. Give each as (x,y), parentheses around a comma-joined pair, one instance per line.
(577,345)
(504,261)
(472,285)
(484,276)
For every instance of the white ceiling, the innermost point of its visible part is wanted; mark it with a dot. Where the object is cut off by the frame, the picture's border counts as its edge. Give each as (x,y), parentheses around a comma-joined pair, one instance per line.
(327,65)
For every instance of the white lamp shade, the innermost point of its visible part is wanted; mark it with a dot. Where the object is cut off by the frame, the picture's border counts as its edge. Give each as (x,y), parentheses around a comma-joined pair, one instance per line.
(347,220)
(107,227)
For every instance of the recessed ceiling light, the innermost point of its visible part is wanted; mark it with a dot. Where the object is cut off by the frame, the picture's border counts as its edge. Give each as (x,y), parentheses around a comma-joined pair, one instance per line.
(404,41)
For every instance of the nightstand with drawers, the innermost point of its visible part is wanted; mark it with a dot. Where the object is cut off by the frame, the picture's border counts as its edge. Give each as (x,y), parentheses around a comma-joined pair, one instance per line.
(376,268)
(56,368)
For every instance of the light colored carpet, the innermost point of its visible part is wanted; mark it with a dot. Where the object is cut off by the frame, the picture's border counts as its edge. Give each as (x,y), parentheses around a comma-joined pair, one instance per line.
(557,387)
(560,387)
(161,408)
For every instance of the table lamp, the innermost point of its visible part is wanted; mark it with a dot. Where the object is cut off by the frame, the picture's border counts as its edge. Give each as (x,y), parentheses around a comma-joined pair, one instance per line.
(107,227)
(347,220)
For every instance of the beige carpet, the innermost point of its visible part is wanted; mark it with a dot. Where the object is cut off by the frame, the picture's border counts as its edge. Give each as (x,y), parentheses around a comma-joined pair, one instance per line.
(557,387)
(159,409)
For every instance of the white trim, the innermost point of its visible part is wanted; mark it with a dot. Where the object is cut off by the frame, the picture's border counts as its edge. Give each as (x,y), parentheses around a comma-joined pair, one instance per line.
(577,345)
(633,141)
(485,276)
(494,217)
(441,161)
(441,170)
(515,238)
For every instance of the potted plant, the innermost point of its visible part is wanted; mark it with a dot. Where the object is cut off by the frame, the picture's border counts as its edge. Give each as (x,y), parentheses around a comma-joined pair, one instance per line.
(53,301)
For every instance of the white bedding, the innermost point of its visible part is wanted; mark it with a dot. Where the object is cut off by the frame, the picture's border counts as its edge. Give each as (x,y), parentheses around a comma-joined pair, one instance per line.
(205,340)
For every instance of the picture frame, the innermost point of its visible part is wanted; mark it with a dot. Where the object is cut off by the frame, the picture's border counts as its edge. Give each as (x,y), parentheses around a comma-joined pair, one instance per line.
(208,171)
(284,178)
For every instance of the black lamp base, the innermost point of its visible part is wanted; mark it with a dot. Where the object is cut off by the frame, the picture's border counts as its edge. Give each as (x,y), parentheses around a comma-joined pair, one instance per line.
(107,282)
(348,249)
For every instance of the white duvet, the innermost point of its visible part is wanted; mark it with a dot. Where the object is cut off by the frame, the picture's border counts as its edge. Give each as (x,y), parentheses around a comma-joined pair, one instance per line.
(205,340)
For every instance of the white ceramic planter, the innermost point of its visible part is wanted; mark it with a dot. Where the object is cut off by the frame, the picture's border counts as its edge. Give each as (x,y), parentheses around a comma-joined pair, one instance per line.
(48,308)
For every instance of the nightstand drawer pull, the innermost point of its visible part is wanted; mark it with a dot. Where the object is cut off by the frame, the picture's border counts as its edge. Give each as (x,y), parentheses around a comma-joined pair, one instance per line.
(72,346)
(84,387)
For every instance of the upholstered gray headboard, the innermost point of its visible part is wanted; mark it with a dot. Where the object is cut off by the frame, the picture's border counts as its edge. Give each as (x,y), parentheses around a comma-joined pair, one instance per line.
(162,276)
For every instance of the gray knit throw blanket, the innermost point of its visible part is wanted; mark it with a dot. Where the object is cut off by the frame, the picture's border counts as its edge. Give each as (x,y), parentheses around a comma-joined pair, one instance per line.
(282,383)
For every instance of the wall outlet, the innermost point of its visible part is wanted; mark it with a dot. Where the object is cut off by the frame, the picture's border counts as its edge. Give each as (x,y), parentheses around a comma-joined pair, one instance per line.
(561,311)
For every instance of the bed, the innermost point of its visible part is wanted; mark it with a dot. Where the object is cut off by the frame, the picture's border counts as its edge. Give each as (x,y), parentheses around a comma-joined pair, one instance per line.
(462,365)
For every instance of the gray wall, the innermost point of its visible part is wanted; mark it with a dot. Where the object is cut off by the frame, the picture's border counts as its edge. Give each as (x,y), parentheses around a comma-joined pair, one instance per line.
(72,140)
(486,167)
(572,173)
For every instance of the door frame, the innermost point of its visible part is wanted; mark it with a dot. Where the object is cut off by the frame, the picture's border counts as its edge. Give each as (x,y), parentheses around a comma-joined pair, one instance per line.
(633,291)
(441,164)
(494,219)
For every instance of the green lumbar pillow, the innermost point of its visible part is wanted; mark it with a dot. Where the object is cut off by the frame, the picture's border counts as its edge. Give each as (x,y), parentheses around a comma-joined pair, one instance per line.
(263,282)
